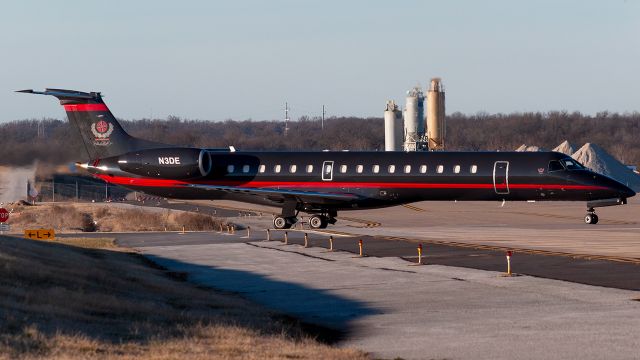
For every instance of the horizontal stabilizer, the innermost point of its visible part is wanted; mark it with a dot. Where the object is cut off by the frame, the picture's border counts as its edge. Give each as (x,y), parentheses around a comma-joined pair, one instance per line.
(63,94)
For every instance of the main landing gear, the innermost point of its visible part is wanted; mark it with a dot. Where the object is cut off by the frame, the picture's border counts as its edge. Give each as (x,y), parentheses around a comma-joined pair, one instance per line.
(321,221)
(591,217)
(281,222)
(316,221)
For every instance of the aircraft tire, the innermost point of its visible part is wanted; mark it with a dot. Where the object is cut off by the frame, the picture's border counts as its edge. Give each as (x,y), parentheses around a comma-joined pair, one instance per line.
(591,219)
(280,222)
(316,221)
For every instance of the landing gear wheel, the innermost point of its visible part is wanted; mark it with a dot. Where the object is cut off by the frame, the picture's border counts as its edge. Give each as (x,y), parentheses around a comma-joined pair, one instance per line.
(591,218)
(280,222)
(318,222)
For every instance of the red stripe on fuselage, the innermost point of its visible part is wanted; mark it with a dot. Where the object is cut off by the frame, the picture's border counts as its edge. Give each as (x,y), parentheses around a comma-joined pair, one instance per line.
(122,180)
(86,107)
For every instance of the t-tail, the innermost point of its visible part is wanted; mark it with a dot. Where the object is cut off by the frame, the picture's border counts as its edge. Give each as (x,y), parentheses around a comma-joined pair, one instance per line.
(101,133)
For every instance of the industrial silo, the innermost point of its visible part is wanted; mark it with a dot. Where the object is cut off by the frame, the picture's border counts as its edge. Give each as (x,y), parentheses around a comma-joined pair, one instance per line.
(414,119)
(435,115)
(392,127)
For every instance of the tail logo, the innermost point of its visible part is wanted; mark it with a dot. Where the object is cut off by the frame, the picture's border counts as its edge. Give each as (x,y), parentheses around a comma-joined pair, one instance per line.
(102,131)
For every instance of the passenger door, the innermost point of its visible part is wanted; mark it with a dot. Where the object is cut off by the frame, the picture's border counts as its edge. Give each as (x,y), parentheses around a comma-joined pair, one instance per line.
(501,177)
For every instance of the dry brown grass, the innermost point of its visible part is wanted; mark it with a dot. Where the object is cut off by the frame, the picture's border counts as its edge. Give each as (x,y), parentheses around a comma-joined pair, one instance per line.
(89,243)
(76,217)
(65,302)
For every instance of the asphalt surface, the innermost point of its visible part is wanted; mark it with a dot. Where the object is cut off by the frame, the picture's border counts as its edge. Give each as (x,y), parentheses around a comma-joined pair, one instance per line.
(573,268)
(458,305)
(385,306)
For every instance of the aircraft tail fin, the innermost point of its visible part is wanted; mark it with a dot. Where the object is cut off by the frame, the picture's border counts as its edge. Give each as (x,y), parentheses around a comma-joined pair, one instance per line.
(101,133)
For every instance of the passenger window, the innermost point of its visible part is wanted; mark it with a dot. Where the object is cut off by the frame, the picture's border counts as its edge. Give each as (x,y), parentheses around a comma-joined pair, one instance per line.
(456,169)
(277,168)
(262,168)
(474,169)
(230,169)
(554,165)
(359,169)
(376,169)
(343,169)
(423,169)
(245,169)
(293,169)
(392,169)
(407,169)
(309,168)
(440,169)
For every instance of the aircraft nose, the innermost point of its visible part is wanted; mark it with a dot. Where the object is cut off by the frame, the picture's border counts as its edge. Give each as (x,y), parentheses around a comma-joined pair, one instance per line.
(627,191)
(616,188)
(623,190)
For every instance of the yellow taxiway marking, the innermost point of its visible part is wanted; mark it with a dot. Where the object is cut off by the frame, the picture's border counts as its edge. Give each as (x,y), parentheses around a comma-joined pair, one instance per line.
(414,208)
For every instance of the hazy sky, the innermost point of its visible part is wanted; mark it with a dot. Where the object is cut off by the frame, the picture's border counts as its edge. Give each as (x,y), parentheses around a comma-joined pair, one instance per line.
(243,59)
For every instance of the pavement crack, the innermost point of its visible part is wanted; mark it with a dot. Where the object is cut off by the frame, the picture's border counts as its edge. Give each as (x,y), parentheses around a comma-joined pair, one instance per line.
(288,251)
(398,270)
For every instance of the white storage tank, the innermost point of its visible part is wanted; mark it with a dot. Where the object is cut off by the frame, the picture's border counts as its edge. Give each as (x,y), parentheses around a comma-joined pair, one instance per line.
(413,118)
(393,130)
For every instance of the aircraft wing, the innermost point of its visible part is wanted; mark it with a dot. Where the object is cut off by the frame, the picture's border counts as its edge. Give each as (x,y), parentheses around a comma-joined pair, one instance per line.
(280,195)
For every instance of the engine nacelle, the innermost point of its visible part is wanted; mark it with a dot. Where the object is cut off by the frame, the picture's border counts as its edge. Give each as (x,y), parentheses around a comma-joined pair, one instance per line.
(168,163)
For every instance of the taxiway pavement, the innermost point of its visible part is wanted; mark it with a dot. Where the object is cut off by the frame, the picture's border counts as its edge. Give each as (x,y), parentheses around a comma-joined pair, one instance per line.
(457,306)
(391,309)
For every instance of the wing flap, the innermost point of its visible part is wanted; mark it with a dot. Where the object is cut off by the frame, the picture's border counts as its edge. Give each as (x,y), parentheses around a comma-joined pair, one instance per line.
(279,195)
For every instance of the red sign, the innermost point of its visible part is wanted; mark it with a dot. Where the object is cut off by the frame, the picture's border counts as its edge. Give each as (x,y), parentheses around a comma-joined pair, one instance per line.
(4,215)
(509,253)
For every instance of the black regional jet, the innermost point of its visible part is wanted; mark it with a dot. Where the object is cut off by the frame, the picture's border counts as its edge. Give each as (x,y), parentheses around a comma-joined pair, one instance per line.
(322,183)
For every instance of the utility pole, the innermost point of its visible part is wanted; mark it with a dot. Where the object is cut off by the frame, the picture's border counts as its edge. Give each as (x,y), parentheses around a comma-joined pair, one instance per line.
(322,124)
(53,190)
(286,118)
(40,126)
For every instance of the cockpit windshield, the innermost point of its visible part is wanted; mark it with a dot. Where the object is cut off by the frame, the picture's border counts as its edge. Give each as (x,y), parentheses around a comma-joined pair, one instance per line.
(571,164)
(565,164)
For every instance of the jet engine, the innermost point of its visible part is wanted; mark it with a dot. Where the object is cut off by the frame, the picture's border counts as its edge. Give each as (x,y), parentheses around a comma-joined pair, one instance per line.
(167,163)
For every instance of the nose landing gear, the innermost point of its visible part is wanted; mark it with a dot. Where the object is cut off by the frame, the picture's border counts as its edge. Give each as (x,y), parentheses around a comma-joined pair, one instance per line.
(591,217)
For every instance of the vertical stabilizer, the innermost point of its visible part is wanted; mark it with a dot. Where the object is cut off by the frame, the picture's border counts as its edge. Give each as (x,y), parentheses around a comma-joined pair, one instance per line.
(101,133)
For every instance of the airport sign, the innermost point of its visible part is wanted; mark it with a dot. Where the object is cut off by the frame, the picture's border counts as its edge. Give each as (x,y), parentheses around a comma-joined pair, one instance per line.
(4,215)
(40,234)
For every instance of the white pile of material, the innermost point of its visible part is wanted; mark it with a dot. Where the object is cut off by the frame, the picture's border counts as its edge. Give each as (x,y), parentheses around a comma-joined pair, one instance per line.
(524,147)
(595,158)
(565,148)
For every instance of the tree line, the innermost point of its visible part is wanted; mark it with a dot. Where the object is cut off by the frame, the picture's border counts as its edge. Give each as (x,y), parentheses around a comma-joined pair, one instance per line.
(56,142)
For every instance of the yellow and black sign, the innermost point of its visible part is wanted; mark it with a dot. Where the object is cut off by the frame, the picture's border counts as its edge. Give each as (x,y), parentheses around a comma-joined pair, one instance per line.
(40,234)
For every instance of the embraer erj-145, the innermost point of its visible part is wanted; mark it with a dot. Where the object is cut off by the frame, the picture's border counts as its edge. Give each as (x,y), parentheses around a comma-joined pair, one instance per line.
(324,182)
